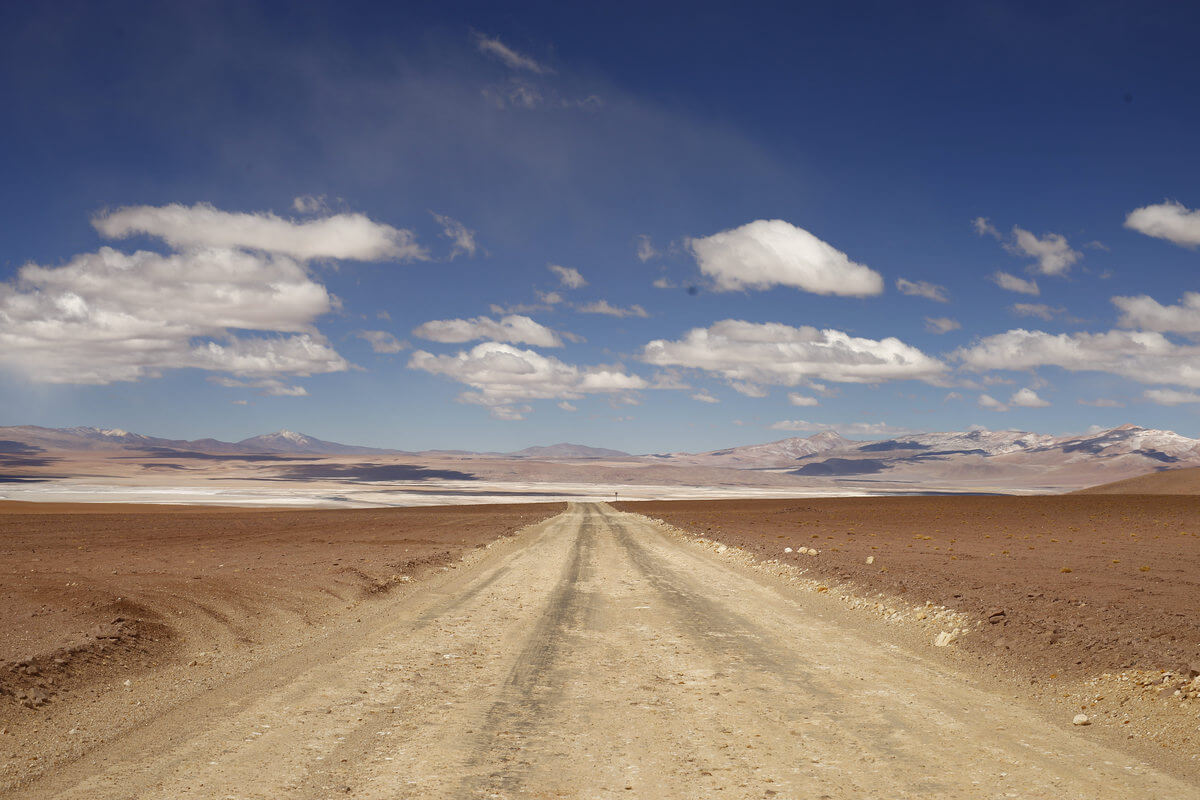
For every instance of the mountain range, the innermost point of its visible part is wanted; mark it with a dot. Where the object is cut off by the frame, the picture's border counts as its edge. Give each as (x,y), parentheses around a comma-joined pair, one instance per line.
(979,456)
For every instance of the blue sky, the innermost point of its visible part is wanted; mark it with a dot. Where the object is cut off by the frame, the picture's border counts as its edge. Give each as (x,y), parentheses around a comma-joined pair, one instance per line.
(231,218)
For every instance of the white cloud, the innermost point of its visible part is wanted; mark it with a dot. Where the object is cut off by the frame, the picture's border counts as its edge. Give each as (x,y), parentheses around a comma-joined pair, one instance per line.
(514,328)
(113,316)
(568,276)
(941,324)
(565,406)
(1148,314)
(768,253)
(991,403)
(604,307)
(462,238)
(501,375)
(1170,397)
(1014,284)
(509,413)
(309,204)
(1143,356)
(270,386)
(1027,398)
(925,289)
(1102,402)
(984,227)
(748,389)
(1054,255)
(645,249)
(1039,310)
(846,428)
(492,46)
(382,341)
(798,399)
(664,283)
(705,397)
(549,298)
(340,236)
(781,355)
(1170,220)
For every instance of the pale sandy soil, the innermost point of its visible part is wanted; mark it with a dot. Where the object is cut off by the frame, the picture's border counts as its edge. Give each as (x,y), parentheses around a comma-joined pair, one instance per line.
(598,655)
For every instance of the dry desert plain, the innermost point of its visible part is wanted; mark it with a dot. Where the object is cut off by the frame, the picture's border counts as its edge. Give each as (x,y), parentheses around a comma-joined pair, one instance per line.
(658,650)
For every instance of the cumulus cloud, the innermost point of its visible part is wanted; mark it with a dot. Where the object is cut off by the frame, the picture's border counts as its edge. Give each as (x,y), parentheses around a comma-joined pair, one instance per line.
(339,236)
(113,316)
(797,399)
(1039,310)
(768,253)
(991,403)
(1014,284)
(1143,356)
(782,355)
(941,324)
(310,204)
(509,413)
(492,46)
(462,238)
(1054,255)
(604,307)
(1148,314)
(1027,398)
(925,289)
(645,249)
(270,386)
(847,428)
(501,375)
(984,227)
(705,397)
(1170,220)
(382,341)
(568,276)
(1170,397)
(514,328)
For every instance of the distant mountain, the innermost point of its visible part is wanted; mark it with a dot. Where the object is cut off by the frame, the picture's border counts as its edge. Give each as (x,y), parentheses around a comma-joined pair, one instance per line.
(1028,459)
(782,453)
(565,450)
(286,441)
(88,438)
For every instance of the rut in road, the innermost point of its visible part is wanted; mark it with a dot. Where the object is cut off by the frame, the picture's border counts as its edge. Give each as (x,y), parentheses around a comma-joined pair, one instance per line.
(595,657)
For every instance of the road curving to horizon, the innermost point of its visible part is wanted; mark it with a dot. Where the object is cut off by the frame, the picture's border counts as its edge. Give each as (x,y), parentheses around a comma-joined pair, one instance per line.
(593,656)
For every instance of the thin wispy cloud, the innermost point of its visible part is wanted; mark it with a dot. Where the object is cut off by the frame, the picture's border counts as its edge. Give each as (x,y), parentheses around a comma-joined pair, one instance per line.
(493,47)
(930,291)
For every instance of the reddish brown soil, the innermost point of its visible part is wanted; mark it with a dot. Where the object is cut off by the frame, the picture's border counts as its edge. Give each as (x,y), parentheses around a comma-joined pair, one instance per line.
(1074,585)
(88,592)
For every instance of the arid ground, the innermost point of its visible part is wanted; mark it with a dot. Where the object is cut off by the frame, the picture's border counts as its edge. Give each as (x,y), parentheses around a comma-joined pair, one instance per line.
(528,651)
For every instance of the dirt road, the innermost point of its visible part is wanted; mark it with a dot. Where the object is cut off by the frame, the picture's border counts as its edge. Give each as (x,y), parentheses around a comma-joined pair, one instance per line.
(592,656)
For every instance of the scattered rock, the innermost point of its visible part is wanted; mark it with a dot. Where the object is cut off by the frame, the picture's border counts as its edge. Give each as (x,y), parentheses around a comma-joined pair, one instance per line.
(996,616)
(870,559)
(787,549)
(1081,719)
(944,639)
(32,698)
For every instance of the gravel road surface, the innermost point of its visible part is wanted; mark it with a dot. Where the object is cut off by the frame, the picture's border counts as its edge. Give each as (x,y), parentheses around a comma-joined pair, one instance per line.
(593,657)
